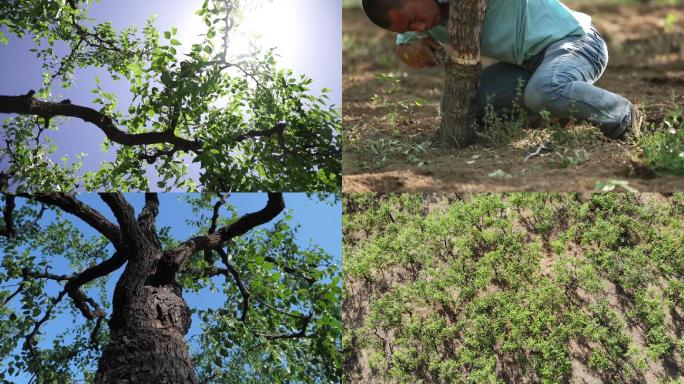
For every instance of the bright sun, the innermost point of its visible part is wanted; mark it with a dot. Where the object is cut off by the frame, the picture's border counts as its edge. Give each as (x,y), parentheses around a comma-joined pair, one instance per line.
(272,24)
(268,26)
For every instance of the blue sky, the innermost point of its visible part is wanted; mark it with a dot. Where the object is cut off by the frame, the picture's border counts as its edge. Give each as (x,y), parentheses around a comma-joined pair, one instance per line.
(320,224)
(307,35)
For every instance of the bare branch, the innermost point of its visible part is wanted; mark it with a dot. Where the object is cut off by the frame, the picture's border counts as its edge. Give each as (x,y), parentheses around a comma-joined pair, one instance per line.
(277,130)
(294,335)
(74,283)
(180,254)
(215,213)
(212,228)
(19,289)
(44,275)
(29,106)
(68,203)
(81,301)
(124,213)
(36,328)
(152,158)
(104,268)
(8,211)
(244,317)
(290,270)
(150,210)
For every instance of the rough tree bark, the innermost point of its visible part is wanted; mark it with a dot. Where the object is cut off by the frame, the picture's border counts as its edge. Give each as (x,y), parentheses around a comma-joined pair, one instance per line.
(459,112)
(150,317)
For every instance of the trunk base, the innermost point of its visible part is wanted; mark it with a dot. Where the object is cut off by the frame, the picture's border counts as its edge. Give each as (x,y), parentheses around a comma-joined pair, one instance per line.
(459,115)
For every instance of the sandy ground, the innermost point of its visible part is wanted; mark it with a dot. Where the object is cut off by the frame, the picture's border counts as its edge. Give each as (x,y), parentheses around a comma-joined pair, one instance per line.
(389,147)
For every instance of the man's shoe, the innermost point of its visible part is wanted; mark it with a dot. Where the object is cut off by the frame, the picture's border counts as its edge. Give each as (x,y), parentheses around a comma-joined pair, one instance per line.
(636,119)
(630,126)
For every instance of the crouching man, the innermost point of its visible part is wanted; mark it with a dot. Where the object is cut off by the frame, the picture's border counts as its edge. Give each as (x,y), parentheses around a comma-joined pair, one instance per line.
(556,52)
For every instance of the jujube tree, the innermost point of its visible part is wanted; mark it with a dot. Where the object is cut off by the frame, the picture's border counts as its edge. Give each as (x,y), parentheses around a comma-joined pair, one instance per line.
(462,69)
(273,316)
(249,125)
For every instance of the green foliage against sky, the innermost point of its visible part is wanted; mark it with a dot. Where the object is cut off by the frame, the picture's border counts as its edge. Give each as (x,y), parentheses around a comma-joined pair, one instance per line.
(528,287)
(249,125)
(291,334)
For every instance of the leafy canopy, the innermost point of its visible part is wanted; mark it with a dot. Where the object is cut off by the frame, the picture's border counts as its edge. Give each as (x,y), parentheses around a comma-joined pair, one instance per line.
(287,283)
(248,124)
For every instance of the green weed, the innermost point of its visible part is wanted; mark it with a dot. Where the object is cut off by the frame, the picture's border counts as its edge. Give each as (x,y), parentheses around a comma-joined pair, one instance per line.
(663,149)
(383,149)
(501,127)
(572,157)
(390,99)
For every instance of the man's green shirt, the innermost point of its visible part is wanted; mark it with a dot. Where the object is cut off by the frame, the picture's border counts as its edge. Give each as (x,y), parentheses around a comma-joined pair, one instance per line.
(515,30)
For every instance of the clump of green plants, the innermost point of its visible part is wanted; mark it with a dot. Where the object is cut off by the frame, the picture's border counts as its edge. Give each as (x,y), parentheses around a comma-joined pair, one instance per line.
(391,99)
(572,157)
(383,149)
(663,149)
(516,287)
(669,22)
(500,128)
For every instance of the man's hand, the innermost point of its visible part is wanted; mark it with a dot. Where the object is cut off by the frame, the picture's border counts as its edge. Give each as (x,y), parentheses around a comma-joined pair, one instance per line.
(419,54)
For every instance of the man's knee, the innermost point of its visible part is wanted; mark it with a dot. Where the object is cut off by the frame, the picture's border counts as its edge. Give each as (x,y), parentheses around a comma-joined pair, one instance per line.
(537,96)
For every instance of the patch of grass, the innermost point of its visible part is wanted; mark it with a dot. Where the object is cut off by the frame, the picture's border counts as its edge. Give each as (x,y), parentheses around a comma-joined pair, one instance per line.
(383,149)
(663,149)
(568,131)
(524,278)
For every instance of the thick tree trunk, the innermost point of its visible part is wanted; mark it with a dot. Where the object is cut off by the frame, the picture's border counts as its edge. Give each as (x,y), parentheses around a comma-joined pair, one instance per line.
(150,317)
(150,347)
(459,114)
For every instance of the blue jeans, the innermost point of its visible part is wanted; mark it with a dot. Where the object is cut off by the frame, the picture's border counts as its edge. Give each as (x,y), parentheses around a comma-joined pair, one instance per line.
(560,82)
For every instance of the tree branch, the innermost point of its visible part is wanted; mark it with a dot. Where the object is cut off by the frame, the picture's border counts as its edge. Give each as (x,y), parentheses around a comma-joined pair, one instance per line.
(27,105)
(180,254)
(152,158)
(215,213)
(85,33)
(68,203)
(96,271)
(10,297)
(44,275)
(294,335)
(36,328)
(277,130)
(150,210)
(290,270)
(124,213)
(74,283)
(212,228)
(244,316)
(8,212)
